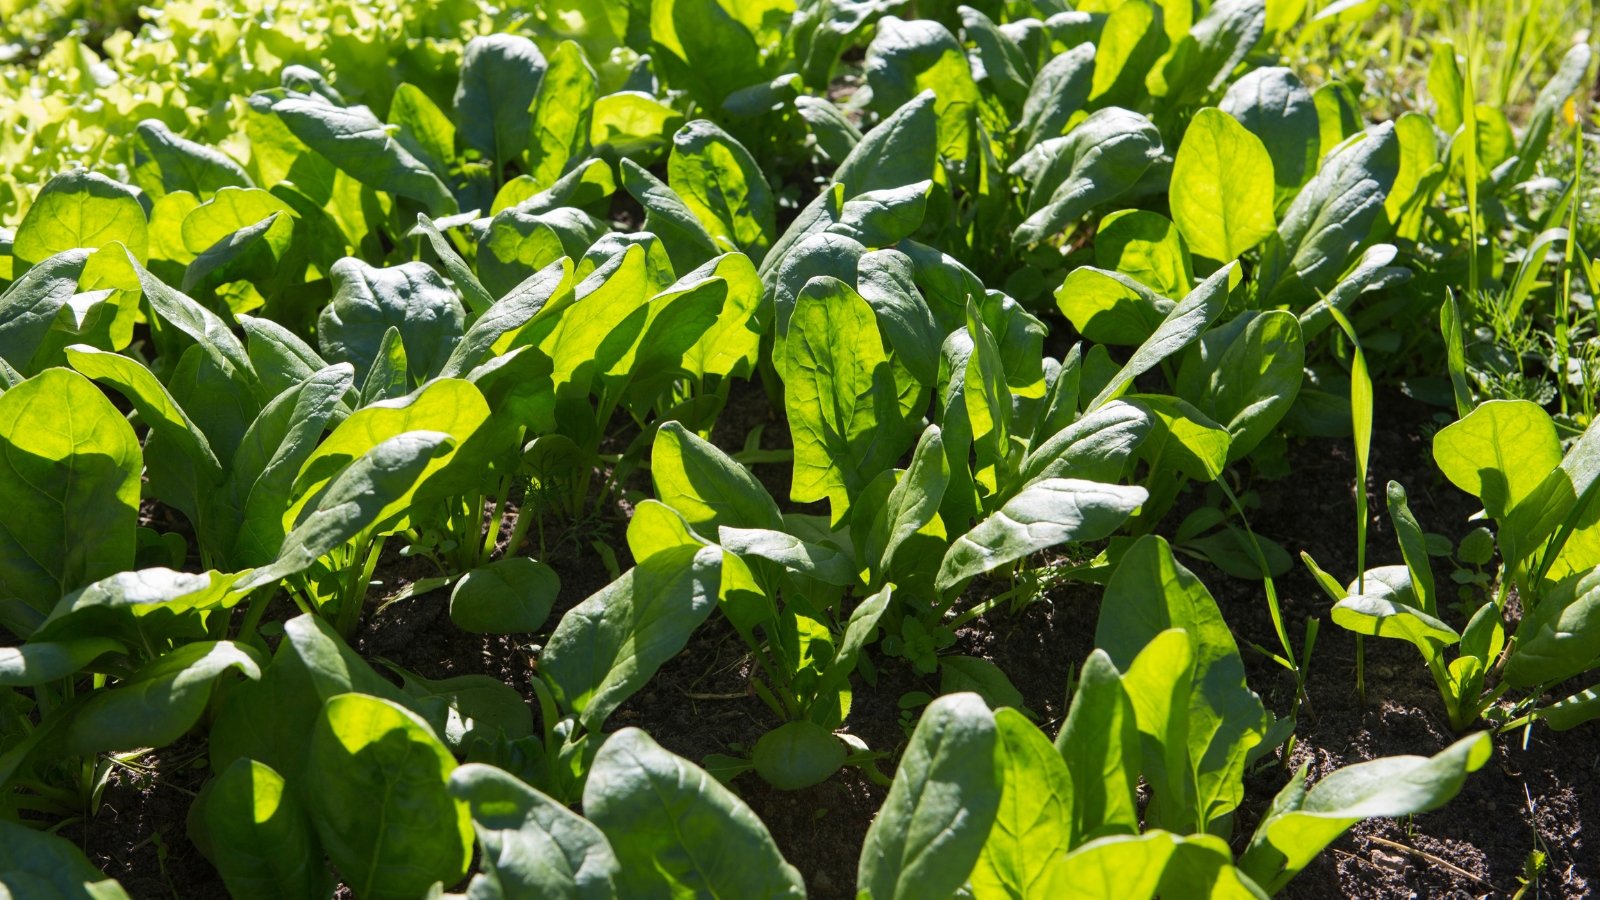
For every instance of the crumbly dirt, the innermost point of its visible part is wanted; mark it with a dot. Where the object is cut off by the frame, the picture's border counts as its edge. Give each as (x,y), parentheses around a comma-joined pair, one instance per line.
(1532,795)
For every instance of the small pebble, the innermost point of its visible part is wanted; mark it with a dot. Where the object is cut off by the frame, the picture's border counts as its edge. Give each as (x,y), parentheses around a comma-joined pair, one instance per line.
(1393,863)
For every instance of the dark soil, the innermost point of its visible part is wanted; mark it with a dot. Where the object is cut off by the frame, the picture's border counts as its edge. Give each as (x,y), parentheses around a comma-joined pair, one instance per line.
(139,835)
(1534,794)
(1530,796)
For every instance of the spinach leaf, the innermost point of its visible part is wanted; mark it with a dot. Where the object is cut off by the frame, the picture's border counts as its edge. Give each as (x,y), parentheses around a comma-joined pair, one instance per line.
(676,831)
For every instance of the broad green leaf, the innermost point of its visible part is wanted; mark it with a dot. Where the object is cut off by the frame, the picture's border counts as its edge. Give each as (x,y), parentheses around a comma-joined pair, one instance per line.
(587,185)
(1330,218)
(1131,40)
(822,253)
(177,164)
(453,406)
(1499,453)
(562,115)
(500,79)
(364,497)
(475,706)
(932,827)
(185,482)
(632,125)
(69,465)
(269,719)
(1111,307)
(1147,246)
(506,596)
(676,831)
(702,48)
(161,701)
(667,215)
(655,528)
(477,297)
(1200,62)
(377,786)
(1382,615)
(1276,107)
(1245,375)
(34,863)
(1301,822)
(797,755)
(908,57)
(720,182)
(221,406)
(1006,69)
(883,217)
(824,562)
(239,247)
(840,396)
(1149,592)
(1338,114)
(912,504)
(1025,854)
(1222,187)
(269,458)
(1419,174)
(1059,90)
(531,846)
(278,155)
(279,357)
(835,135)
(733,345)
(819,33)
(608,646)
(969,673)
(1019,335)
(136,604)
(259,836)
(367,301)
(659,336)
(81,209)
(1182,438)
(1161,864)
(1048,512)
(1372,272)
(1570,712)
(1160,683)
(1552,504)
(29,306)
(36,662)
(1125,866)
(708,487)
(603,323)
(423,128)
(901,150)
(1100,744)
(1103,157)
(1095,447)
(231,211)
(359,145)
(208,330)
(1183,324)
(1559,637)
